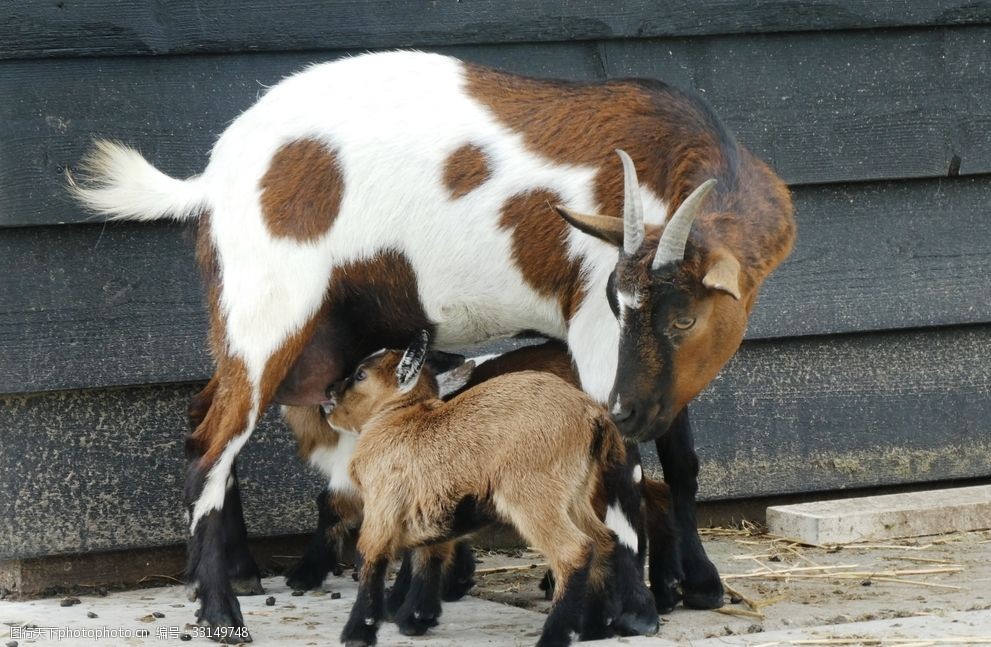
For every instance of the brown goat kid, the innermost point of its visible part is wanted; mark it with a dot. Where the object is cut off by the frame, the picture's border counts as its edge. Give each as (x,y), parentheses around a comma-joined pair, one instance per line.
(414,602)
(525,448)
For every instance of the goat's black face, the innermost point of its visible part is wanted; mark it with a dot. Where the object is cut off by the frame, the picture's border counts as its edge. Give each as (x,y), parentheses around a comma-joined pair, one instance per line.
(675,335)
(642,397)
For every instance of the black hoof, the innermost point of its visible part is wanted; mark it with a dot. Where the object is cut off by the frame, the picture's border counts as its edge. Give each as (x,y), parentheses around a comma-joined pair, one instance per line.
(701,587)
(459,578)
(247,586)
(666,597)
(359,634)
(303,576)
(554,641)
(633,624)
(221,616)
(703,597)
(638,613)
(416,616)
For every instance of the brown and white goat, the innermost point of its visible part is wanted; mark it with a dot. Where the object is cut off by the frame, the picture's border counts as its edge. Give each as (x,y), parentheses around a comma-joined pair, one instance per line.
(431,178)
(525,448)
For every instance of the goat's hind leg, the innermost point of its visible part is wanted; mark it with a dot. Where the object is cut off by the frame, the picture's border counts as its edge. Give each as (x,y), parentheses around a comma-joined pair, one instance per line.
(242,570)
(209,482)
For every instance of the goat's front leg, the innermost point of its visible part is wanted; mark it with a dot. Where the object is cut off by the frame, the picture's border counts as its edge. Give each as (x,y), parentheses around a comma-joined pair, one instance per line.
(701,586)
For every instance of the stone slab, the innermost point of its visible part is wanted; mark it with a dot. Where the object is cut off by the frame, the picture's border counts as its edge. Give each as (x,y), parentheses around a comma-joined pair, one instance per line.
(908,514)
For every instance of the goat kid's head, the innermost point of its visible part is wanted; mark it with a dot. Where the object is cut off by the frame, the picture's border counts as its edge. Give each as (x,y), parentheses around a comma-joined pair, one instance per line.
(382,380)
(678,301)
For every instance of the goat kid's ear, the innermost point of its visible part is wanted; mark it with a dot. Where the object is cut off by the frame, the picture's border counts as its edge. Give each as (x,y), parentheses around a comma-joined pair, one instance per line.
(724,274)
(604,228)
(408,370)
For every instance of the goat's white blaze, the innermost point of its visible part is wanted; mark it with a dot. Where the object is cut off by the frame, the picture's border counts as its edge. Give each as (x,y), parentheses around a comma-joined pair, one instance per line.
(619,524)
(333,462)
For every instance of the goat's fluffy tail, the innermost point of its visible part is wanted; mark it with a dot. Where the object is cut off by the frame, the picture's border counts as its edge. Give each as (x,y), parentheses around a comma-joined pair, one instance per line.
(116,181)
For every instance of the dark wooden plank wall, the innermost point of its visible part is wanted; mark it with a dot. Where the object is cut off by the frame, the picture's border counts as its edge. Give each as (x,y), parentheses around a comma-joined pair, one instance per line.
(867,360)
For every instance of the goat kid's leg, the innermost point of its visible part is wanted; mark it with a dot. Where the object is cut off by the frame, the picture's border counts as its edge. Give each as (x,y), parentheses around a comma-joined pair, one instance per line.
(321,555)
(362,626)
(421,606)
(623,481)
(701,586)
(459,573)
(571,565)
(457,577)
(665,572)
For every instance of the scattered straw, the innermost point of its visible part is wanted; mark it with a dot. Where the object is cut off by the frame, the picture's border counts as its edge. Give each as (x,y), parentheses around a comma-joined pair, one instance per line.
(742,613)
(509,569)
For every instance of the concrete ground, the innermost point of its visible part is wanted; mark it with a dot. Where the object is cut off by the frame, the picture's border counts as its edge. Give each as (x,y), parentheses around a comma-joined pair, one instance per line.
(926,591)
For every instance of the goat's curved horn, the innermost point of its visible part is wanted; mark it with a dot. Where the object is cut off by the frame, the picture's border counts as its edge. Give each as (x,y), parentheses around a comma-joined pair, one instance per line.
(633,230)
(675,236)
(408,370)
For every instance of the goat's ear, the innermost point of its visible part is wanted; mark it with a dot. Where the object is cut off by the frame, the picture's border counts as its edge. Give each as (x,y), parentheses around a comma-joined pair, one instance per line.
(408,370)
(602,227)
(723,274)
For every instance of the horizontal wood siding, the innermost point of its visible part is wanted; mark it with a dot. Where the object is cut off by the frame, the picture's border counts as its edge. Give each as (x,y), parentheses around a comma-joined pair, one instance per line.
(108,27)
(820,107)
(101,470)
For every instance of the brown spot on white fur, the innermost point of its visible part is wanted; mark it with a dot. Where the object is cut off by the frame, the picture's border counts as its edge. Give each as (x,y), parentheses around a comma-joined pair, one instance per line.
(540,248)
(465,170)
(302,190)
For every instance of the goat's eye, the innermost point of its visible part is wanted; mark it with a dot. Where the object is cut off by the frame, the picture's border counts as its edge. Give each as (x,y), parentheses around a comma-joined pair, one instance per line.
(360,375)
(683,323)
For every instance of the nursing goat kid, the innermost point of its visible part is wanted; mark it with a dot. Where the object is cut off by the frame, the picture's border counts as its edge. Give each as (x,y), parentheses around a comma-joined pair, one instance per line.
(525,448)
(428,180)
(339,507)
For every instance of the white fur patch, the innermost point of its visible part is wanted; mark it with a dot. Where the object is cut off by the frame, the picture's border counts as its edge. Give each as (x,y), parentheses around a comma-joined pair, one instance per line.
(619,524)
(637,474)
(333,462)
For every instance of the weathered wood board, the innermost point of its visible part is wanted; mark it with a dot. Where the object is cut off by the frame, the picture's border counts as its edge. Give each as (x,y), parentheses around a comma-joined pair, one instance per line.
(100,470)
(88,306)
(817,106)
(109,27)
